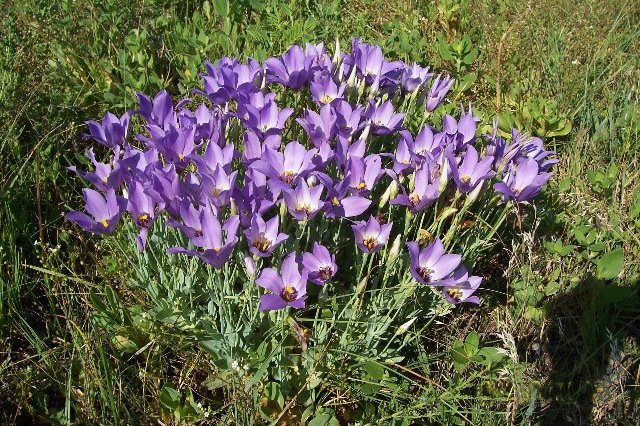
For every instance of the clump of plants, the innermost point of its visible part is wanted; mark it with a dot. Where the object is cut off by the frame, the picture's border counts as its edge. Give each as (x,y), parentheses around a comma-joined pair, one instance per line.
(316,204)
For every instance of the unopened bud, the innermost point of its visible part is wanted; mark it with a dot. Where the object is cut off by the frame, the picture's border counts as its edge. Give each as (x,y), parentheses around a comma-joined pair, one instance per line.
(444,175)
(312,180)
(351,81)
(389,193)
(394,251)
(336,54)
(365,133)
(404,327)
(361,285)
(250,266)
(473,195)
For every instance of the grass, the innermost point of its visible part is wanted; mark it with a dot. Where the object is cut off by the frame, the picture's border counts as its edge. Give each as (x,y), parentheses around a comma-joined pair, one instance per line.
(75,344)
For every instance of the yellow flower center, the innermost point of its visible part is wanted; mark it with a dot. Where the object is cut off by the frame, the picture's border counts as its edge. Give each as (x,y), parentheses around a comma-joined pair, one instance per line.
(335,201)
(414,199)
(325,99)
(143,220)
(104,223)
(425,273)
(466,179)
(261,243)
(361,185)
(304,208)
(180,157)
(288,176)
(325,272)
(455,293)
(370,242)
(289,294)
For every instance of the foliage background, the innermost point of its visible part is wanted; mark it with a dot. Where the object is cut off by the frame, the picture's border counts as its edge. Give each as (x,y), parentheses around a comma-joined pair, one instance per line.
(564,303)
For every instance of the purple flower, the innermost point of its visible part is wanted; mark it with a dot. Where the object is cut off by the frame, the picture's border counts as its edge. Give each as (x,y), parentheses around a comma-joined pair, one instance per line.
(263,238)
(191,224)
(370,235)
(348,118)
(367,59)
(414,77)
(438,91)
(104,176)
(463,288)
(214,156)
(216,246)
(290,69)
(319,265)
(167,189)
(471,172)
(534,148)
(208,124)
(253,197)
(324,90)
(426,145)
(431,265)
(383,119)
(158,112)
(218,186)
(403,158)
(142,208)
(111,132)
(303,202)
(426,190)
(321,128)
(268,120)
(227,79)
(176,143)
(522,181)
(287,289)
(283,168)
(460,132)
(338,204)
(363,173)
(105,212)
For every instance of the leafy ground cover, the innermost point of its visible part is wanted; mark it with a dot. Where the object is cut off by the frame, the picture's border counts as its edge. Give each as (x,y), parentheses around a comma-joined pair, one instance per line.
(556,339)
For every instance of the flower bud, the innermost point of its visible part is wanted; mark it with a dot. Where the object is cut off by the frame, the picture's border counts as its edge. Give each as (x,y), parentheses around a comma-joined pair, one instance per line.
(336,54)
(444,175)
(362,285)
(250,266)
(394,251)
(365,133)
(473,195)
(405,327)
(351,81)
(312,181)
(390,192)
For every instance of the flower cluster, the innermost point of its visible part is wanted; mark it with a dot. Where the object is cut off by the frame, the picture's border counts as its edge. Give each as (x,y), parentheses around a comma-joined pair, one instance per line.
(225,169)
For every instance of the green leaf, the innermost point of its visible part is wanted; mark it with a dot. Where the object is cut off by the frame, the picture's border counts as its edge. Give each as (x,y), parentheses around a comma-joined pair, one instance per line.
(459,355)
(552,288)
(610,265)
(471,342)
(444,50)
(170,397)
(374,370)
(221,7)
(320,420)
(634,211)
(534,314)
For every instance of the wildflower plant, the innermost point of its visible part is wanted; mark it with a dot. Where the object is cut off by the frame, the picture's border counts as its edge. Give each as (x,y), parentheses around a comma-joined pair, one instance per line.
(319,199)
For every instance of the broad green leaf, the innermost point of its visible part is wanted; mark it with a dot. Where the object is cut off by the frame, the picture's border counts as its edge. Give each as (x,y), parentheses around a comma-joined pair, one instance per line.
(471,342)
(610,265)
